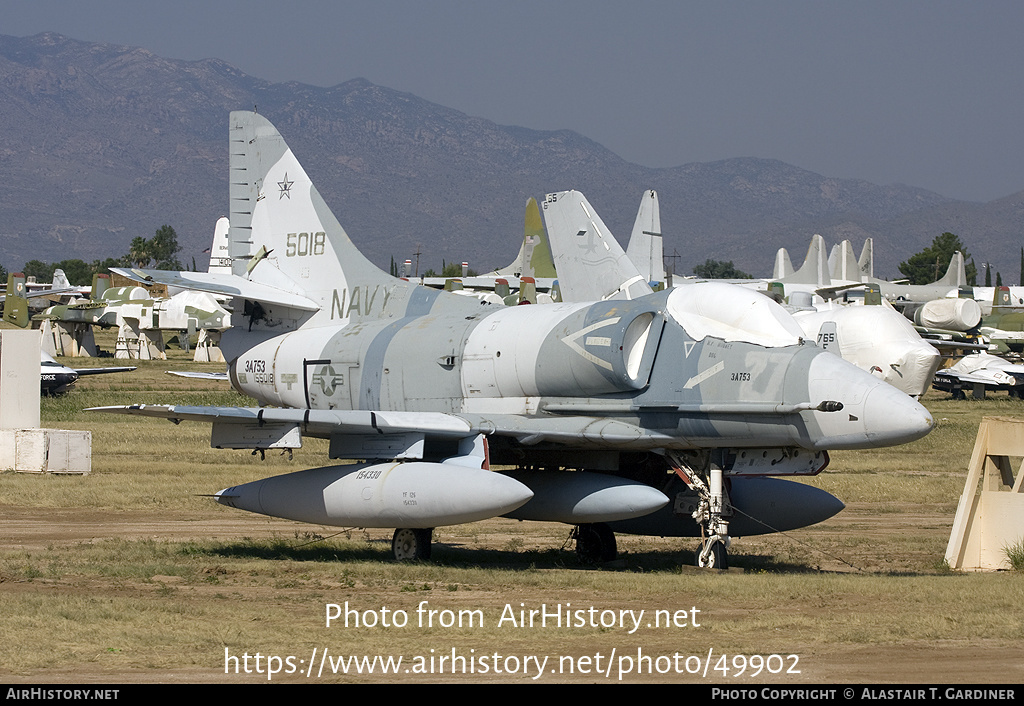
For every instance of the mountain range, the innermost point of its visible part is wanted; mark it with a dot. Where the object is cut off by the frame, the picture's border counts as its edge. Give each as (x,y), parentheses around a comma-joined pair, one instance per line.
(101,143)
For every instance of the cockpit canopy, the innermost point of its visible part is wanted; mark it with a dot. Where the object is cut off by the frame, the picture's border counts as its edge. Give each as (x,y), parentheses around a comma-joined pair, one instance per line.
(732,313)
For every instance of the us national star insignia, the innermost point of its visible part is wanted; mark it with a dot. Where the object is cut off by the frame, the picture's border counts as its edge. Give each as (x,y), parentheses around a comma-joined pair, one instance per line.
(286,187)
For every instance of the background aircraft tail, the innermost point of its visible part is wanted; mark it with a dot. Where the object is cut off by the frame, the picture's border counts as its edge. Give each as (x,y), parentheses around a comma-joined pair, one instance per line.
(220,255)
(100,284)
(783,265)
(60,280)
(645,249)
(534,258)
(15,302)
(866,261)
(537,260)
(815,268)
(843,263)
(1001,298)
(591,265)
(956,274)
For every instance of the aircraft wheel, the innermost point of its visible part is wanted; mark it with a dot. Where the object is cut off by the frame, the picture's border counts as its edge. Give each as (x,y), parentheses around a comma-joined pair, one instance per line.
(713,557)
(411,544)
(595,542)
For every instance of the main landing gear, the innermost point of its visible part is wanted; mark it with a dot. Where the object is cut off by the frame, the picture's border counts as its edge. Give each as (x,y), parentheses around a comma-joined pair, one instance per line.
(595,543)
(707,478)
(411,544)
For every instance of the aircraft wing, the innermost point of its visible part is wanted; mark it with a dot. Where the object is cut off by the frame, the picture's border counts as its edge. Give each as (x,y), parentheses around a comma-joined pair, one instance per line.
(967,377)
(103,371)
(46,293)
(282,428)
(201,376)
(363,432)
(832,292)
(315,422)
(954,344)
(223,284)
(950,339)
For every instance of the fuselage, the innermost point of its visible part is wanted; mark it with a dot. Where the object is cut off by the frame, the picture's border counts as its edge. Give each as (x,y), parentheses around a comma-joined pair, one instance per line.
(709,365)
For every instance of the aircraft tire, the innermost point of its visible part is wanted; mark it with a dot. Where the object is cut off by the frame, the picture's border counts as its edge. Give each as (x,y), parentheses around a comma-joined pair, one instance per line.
(411,544)
(595,543)
(717,557)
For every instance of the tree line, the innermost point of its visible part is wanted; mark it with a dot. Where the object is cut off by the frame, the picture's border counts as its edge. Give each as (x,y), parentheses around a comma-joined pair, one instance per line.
(159,253)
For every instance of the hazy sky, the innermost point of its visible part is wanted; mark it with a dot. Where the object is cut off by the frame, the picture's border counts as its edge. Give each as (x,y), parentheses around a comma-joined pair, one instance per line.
(926,93)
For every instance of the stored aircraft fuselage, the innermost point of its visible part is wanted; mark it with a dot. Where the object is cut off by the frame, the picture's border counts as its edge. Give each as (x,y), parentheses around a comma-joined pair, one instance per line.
(664,364)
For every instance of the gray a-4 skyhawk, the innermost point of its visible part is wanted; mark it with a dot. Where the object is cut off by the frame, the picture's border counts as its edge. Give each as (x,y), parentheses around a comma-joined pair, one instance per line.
(659,415)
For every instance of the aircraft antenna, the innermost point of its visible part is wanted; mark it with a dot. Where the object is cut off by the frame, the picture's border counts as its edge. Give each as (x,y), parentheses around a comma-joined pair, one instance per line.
(794,539)
(671,269)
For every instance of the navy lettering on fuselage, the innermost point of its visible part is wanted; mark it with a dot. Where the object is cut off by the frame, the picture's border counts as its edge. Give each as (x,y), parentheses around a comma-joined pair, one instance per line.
(360,300)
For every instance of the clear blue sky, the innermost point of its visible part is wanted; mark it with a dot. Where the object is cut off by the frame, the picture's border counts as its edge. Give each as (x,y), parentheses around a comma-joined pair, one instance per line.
(926,93)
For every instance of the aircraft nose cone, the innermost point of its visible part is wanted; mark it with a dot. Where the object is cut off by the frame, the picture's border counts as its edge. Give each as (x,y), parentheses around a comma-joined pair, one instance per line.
(242,497)
(874,413)
(914,369)
(892,417)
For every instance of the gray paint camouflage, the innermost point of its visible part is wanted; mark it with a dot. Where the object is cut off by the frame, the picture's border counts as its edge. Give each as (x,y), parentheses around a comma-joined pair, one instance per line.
(374,362)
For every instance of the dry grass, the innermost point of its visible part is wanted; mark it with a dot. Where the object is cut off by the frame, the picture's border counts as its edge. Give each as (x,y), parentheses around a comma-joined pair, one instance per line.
(129,575)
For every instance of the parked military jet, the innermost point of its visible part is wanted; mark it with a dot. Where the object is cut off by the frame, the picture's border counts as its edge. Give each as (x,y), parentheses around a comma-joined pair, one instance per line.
(981,372)
(1004,325)
(606,411)
(19,293)
(140,317)
(56,379)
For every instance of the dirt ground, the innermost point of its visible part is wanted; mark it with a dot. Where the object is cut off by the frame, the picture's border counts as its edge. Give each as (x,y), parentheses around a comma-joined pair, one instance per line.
(913,661)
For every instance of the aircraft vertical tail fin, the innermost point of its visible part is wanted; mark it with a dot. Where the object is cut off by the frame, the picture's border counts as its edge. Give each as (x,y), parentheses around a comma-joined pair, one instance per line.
(845,266)
(956,274)
(783,265)
(534,258)
(60,280)
(537,260)
(283,235)
(645,248)
(1001,297)
(220,255)
(100,284)
(815,268)
(293,265)
(591,265)
(281,231)
(15,302)
(866,261)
